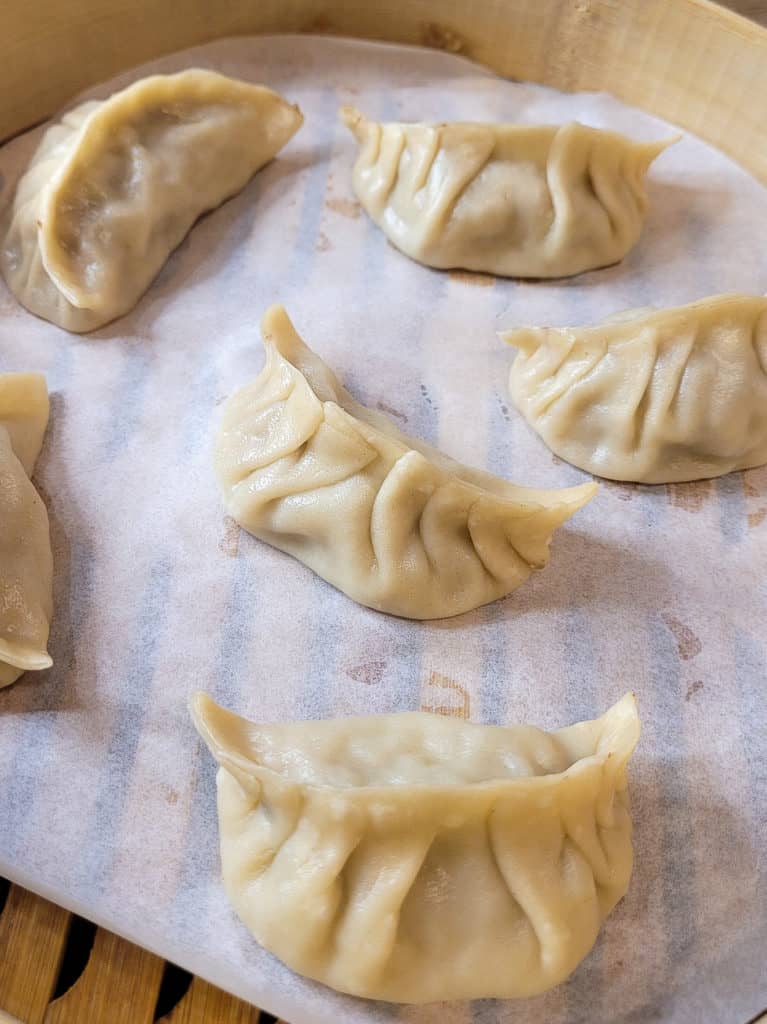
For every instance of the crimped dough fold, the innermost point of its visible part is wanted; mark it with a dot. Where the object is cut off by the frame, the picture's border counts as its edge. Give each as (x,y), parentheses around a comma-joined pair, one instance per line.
(415,857)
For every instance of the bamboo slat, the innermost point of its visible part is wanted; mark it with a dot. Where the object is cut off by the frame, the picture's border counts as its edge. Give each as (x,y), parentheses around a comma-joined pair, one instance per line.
(33,933)
(119,985)
(205,1004)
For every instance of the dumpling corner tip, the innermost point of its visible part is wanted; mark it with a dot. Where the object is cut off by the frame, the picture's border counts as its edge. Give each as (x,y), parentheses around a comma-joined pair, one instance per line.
(526,340)
(582,494)
(354,120)
(274,319)
(199,704)
(650,151)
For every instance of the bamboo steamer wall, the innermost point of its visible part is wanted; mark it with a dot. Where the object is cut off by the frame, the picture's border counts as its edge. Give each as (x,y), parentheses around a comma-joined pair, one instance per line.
(690,61)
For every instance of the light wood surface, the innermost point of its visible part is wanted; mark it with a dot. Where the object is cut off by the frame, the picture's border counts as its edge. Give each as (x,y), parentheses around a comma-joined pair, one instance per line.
(690,61)
(32,937)
(120,982)
(204,1004)
(119,985)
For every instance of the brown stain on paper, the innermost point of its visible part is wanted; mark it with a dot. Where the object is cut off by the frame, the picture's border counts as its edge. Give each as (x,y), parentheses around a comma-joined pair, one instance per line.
(688,643)
(623,492)
(368,672)
(391,411)
(346,207)
(692,689)
(460,710)
(755,487)
(690,497)
(752,484)
(169,793)
(230,542)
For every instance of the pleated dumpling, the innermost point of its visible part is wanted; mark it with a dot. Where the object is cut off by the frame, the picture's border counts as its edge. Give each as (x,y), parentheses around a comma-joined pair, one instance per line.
(26,563)
(416,857)
(115,186)
(508,199)
(651,395)
(392,522)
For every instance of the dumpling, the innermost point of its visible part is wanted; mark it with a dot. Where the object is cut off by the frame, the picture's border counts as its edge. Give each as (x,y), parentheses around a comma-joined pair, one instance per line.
(389,520)
(651,395)
(114,187)
(417,857)
(26,563)
(507,199)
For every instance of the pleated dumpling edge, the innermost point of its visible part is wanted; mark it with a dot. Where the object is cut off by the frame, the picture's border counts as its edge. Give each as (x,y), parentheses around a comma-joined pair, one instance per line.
(652,396)
(26,561)
(394,523)
(516,200)
(413,857)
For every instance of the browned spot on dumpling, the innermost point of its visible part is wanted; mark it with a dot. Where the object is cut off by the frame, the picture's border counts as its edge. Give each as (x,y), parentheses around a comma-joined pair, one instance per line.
(687,642)
(346,207)
(472,277)
(459,709)
(369,672)
(756,518)
(323,243)
(391,411)
(170,794)
(441,37)
(693,688)
(690,497)
(230,542)
(318,25)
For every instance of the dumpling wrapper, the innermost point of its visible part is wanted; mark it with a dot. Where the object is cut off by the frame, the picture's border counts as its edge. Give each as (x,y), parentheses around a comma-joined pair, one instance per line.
(26,563)
(507,199)
(117,184)
(652,396)
(416,857)
(387,519)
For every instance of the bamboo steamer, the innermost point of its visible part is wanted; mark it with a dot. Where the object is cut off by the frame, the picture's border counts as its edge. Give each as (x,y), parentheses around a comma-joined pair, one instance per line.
(688,61)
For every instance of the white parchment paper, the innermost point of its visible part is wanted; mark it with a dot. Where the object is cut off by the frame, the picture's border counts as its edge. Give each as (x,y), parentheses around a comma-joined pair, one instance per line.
(106,795)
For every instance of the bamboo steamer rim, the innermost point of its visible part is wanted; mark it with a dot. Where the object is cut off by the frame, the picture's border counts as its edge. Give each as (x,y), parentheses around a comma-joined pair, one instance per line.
(690,62)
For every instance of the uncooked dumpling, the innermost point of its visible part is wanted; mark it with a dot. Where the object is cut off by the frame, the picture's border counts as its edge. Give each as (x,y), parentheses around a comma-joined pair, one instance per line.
(416,857)
(508,199)
(650,395)
(26,564)
(392,522)
(114,187)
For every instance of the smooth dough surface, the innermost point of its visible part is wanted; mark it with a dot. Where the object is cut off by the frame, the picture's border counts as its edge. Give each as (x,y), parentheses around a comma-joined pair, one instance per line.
(506,199)
(416,857)
(26,563)
(652,396)
(392,522)
(117,184)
